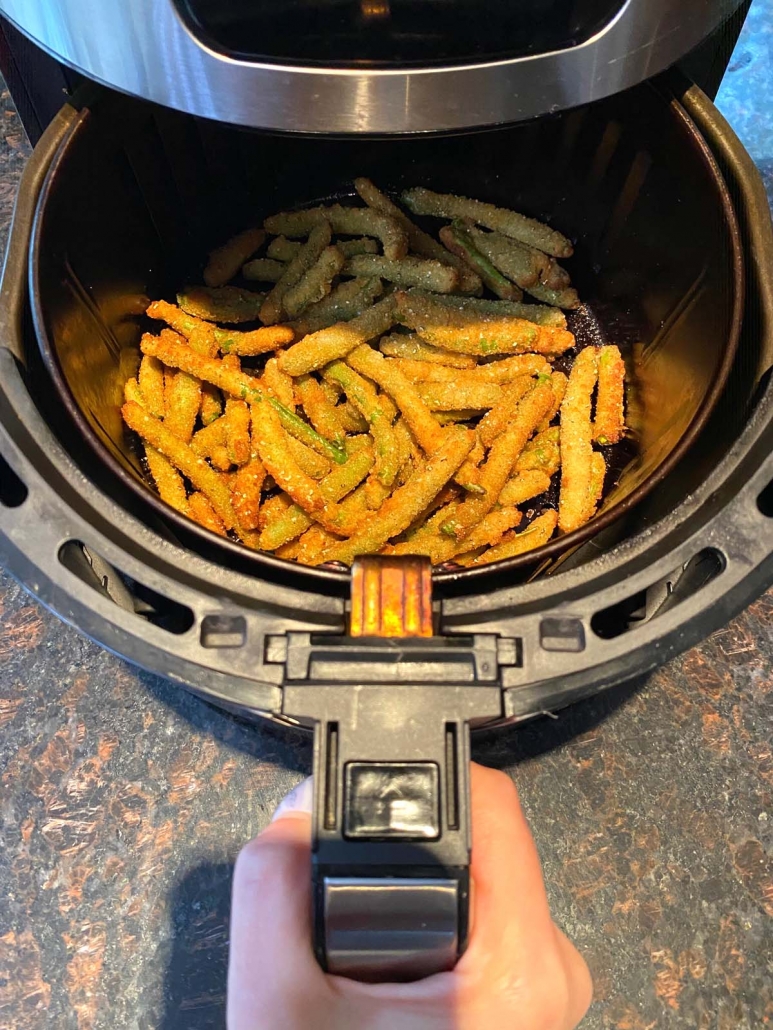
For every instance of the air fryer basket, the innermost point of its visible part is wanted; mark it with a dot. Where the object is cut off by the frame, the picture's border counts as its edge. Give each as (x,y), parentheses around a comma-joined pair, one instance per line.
(137,196)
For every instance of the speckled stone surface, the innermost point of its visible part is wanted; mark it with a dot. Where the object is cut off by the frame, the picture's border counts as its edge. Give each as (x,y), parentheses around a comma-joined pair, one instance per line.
(124,801)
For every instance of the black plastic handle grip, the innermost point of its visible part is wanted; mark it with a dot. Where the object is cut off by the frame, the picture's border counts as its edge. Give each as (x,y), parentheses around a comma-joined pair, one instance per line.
(391,824)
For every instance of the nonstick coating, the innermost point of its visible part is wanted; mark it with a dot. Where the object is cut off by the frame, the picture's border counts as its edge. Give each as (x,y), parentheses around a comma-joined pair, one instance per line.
(137,195)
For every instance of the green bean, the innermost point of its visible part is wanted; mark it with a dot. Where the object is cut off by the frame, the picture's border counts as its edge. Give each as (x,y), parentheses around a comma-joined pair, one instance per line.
(349,221)
(316,282)
(419,241)
(264,270)
(221,303)
(349,299)
(459,241)
(528,230)
(409,271)
(318,349)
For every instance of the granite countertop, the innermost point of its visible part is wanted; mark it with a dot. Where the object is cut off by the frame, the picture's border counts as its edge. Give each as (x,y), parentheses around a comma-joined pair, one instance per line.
(125,800)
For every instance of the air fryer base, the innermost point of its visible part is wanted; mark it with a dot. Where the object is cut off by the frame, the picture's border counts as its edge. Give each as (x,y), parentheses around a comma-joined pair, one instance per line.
(236,640)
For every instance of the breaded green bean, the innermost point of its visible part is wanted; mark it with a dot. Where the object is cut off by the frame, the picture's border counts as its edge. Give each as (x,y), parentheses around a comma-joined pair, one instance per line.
(246,486)
(576,441)
(502,457)
(535,535)
(408,271)
(523,486)
(416,412)
(448,396)
(504,336)
(375,366)
(289,551)
(555,277)
(211,404)
(183,404)
(348,221)
(278,383)
(558,382)
(468,475)
(201,511)
(419,241)
(399,510)
(320,348)
(239,385)
(388,406)
(199,334)
(237,431)
(254,342)
(225,262)
(337,484)
(332,391)
(500,416)
(282,249)
(351,418)
(609,424)
(264,270)
(469,334)
(321,413)
(523,265)
(273,306)
(219,459)
(542,453)
(207,439)
(274,508)
(151,383)
(168,480)
(363,245)
(541,314)
(309,461)
(132,392)
(220,303)
(440,547)
(273,448)
(459,242)
(412,347)
(567,297)
(182,457)
(316,282)
(598,471)
(528,230)
(364,396)
(206,338)
(503,371)
(346,301)
(314,541)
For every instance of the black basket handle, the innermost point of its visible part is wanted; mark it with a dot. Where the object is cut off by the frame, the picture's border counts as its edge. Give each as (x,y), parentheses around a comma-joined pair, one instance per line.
(391,824)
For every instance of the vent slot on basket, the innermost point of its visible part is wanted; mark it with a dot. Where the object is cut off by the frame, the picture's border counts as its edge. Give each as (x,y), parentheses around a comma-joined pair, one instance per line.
(13,492)
(118,587)
(667,593)
(765,501)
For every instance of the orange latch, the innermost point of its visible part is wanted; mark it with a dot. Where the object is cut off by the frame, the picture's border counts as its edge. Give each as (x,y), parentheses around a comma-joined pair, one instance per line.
(391,597)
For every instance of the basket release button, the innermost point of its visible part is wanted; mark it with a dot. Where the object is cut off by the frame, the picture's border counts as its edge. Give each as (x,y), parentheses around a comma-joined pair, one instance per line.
(392,800)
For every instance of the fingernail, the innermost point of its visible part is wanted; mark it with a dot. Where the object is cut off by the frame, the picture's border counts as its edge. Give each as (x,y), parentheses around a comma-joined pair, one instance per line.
(297,802)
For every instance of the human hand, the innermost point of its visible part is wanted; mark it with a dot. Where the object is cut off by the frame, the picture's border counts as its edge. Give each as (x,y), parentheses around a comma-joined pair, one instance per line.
(519,969)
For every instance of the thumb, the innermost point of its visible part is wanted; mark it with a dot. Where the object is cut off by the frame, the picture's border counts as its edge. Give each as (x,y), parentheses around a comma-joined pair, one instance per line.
(270,941)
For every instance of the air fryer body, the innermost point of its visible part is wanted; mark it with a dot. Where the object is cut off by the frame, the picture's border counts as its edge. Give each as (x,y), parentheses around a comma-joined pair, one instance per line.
(675,234)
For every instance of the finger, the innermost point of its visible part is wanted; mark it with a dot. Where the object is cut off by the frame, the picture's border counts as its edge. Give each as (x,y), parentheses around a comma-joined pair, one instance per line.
(510,902)
(578,978)
(270,941)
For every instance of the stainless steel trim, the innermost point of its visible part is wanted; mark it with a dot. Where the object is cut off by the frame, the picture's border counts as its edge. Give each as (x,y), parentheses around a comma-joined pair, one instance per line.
(142,47)
(390,929)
